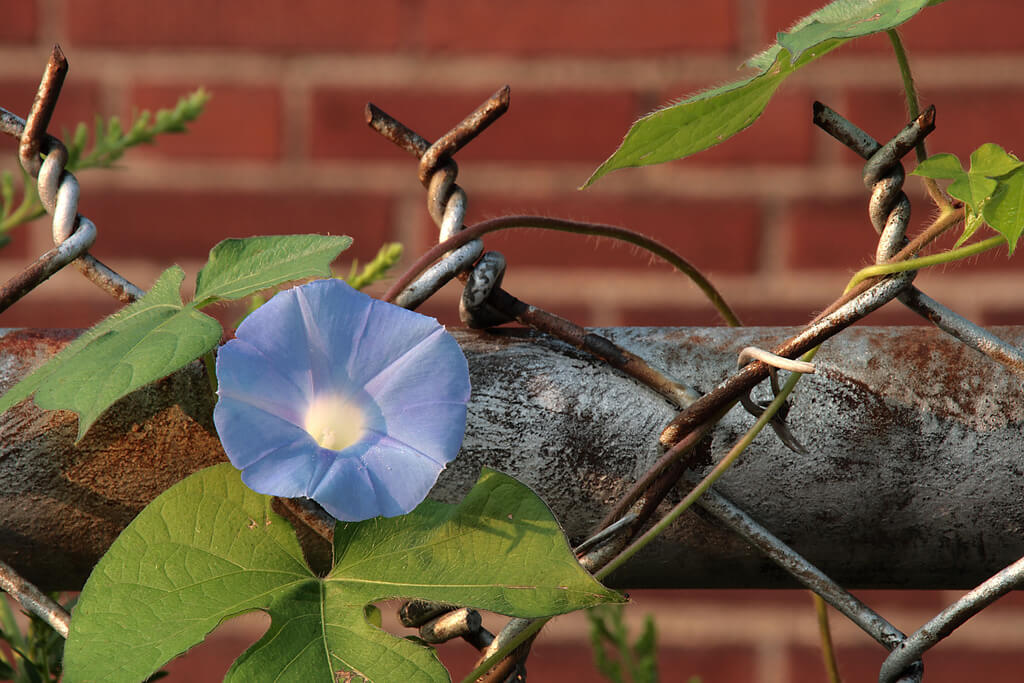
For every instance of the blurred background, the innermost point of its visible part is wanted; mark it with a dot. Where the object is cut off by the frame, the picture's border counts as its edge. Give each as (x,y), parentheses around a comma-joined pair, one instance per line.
(776,217)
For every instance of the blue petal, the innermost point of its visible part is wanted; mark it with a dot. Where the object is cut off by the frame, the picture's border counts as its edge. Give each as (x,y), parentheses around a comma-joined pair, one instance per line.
(434,430)
(287,471)
(277,329)
(250,434)
(360,352)
(247,375)
(387,479)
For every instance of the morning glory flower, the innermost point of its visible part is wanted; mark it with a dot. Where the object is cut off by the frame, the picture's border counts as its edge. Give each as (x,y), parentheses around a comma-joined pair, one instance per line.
(330,394)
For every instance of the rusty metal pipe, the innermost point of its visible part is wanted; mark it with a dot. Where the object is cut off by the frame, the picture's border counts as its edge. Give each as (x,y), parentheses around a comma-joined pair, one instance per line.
(911,481)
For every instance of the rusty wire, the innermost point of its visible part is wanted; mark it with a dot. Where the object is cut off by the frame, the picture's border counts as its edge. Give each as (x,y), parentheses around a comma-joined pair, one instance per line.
(44,158)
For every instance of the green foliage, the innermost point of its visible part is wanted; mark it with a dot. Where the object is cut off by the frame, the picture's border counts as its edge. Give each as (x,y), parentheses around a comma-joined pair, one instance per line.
(239,267)
(37,650)
(992,190)
(377,269)
(614,656)
(110,140)
(209,548)
(159,333)
(711,117)
(374,271)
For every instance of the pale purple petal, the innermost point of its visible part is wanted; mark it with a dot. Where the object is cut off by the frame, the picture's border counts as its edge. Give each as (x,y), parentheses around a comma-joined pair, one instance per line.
(399,371)
(271,389)
(250,434)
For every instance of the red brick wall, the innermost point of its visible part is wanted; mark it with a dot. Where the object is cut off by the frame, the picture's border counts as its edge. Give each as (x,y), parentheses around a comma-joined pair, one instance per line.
(777,216)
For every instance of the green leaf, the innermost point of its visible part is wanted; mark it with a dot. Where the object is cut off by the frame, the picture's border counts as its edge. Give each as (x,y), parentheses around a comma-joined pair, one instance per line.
(711,117)
(940,167)
(143,342)
(990,190)
(239,267)
(209,548)
(1005,210)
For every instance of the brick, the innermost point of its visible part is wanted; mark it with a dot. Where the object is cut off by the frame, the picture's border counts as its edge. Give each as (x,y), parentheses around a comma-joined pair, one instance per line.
(239,122)
(829,235)
(781,135)
(980,26)
(945,663)
(561,662)
(166,226)
(964,118)
(855,663)
(671,316)
(211,659)
(760,316)
(991,317)
(79,101)
(278,25)
(602,27)
(20,22)
(42,309)
(539,126)
(714,236)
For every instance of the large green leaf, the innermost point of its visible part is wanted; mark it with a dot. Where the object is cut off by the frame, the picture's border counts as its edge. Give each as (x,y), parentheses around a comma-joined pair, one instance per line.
(209,548)
(240,267)
(711,117)
(145,341)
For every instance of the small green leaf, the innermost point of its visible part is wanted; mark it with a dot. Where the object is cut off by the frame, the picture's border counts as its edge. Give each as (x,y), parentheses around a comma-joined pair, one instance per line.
(239,267)
(992,161)
(1005,210)
(711,117)
(847,19)
(208,549)
(143,342)
(940,167)
(990,190)
(377,269)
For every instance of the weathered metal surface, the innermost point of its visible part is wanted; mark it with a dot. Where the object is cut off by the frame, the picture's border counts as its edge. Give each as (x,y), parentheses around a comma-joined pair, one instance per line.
(913,477)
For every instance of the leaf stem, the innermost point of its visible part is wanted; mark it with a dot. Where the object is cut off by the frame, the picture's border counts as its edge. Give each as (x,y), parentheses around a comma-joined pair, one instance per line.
(914,109)
(723,465)
(211,371)
(564,225)
(828,651)
(924,261)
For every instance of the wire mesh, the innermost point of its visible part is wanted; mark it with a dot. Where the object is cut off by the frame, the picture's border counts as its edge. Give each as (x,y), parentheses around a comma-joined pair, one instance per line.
(485,304)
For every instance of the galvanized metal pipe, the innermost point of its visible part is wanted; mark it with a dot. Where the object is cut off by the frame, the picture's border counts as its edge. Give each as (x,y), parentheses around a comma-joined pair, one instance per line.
(912,480)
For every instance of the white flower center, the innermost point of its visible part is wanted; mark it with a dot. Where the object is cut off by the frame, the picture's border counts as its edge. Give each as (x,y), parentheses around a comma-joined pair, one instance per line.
(334,422)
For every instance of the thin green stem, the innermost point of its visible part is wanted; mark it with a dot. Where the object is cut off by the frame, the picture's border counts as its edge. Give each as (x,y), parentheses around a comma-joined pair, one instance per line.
(211,370)
(828,651)
(723,465)
(914,109)
(924,261)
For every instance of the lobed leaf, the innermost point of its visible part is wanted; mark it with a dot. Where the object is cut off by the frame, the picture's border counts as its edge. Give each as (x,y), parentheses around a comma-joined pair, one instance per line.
(143,342)
(1005,210)
(209,548)
(711,117)
(992,190)
(239,267)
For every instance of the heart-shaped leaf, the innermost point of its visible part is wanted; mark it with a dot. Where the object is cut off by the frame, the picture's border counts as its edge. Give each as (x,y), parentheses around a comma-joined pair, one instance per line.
(209,548)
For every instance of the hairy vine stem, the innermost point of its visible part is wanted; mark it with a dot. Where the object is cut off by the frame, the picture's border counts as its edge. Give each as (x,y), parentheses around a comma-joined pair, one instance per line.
(564,225)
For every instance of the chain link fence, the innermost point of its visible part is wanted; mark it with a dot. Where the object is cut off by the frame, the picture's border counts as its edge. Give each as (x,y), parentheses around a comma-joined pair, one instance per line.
(460,254)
